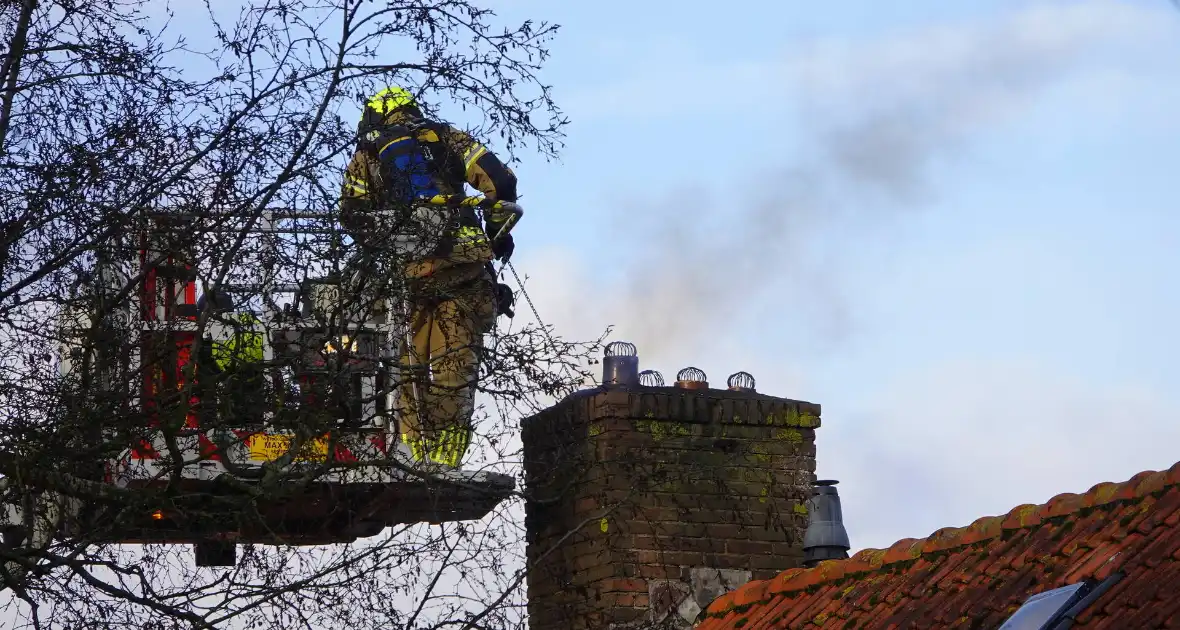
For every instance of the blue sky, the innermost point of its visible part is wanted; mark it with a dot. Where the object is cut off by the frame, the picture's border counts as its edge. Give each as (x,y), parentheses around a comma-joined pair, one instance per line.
(950,223)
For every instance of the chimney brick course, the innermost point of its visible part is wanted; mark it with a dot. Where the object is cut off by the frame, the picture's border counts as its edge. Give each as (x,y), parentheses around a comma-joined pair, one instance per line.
(645,503)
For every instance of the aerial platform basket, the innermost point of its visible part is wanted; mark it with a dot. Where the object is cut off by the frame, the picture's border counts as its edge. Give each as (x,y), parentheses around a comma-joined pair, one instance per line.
(241,480)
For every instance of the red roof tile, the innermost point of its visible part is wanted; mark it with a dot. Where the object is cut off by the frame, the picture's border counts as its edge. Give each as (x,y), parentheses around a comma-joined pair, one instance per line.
(977,576)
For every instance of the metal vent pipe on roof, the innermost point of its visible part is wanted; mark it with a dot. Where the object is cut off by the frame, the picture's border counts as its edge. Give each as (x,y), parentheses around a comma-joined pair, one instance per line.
(620,364)
(691,378)
(826,537)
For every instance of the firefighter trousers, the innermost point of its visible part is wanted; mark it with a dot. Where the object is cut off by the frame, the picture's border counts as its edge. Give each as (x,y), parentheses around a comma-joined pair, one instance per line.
(448,317)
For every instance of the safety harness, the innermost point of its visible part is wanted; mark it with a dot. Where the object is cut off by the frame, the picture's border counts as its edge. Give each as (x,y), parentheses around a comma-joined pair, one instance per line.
(413,158)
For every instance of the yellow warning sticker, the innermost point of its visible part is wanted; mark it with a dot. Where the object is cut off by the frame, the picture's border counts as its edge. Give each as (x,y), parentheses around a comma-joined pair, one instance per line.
(269,447)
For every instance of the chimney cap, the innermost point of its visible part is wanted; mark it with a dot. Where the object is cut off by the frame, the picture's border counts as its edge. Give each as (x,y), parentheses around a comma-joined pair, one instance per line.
(620,349)
(741,382)
(620,364)
(651,378)
(692,378)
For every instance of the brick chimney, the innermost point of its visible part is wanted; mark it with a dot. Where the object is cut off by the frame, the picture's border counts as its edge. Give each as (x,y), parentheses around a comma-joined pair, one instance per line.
(647,502)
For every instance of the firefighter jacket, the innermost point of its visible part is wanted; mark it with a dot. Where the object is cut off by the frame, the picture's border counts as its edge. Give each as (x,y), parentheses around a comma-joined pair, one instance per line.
(244,346)
(404,157)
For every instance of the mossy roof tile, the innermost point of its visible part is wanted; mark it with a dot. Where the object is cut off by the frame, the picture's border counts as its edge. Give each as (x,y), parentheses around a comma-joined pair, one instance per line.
(976,576)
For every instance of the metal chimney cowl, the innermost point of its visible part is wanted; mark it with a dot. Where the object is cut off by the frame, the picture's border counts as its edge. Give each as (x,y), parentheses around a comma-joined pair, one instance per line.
(691,378)
(826,537)
(620,364)
(741,382)
(651,378)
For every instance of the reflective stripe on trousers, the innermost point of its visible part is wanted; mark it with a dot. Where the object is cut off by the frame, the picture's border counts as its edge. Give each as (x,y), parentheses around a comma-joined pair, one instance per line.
(447,448)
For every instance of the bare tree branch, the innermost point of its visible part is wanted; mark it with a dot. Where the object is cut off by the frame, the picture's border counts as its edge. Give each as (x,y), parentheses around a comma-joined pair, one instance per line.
(11,69)
(137,145)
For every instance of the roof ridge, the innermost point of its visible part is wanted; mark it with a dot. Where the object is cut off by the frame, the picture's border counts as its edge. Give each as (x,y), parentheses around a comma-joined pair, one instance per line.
(985,528)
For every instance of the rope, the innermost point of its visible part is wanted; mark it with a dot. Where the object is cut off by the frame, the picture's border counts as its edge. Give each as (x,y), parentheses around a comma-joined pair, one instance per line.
(501,405)
(528,300)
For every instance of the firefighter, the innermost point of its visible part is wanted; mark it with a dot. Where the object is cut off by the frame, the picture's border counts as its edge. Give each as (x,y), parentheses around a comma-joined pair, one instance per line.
(236,353)
(442,253)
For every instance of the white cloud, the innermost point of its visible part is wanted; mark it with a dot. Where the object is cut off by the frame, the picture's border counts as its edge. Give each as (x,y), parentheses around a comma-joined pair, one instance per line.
(971,69)
(958,441)
(1010,51)
(882,109)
